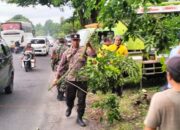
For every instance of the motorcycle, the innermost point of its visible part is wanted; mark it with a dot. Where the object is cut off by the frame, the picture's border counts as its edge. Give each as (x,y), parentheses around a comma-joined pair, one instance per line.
(28,62)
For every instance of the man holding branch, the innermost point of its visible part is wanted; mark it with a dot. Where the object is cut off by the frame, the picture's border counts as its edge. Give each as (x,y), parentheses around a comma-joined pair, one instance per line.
(73,59)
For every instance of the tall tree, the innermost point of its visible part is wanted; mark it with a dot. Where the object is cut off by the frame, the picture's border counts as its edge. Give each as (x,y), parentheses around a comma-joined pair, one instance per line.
(80,7)
(39,30)
(51,28)
(19,18)
(156,30)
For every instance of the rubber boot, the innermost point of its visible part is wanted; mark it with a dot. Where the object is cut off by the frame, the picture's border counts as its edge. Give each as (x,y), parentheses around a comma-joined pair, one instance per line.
(80,121)
(68,112)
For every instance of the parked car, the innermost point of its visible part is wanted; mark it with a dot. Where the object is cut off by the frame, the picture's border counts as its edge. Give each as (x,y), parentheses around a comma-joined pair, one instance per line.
(40,45)
(6,68)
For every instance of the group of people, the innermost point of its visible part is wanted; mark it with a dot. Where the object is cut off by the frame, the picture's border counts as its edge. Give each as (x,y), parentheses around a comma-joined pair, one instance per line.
(70,61)
(164,111)
(116,47)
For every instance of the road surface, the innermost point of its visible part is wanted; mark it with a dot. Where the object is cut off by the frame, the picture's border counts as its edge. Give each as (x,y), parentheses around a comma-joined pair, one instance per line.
(32,106)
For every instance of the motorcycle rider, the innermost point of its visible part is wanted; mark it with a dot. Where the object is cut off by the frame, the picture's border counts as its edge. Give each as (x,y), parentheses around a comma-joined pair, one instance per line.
(29,49)
(55,58)
(16,47)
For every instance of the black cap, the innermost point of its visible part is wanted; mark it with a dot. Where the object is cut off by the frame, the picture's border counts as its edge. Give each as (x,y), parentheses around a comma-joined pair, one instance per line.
(173,67)
(61,40)
(75,36)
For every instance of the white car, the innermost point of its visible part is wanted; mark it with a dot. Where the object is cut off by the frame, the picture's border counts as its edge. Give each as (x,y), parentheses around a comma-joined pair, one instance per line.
(40,45)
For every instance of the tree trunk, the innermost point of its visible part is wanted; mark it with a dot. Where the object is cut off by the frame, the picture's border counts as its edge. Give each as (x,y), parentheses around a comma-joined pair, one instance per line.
(94,15)
(81,17)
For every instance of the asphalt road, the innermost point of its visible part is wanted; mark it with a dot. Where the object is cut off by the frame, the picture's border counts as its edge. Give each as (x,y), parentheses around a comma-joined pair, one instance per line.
(32,106)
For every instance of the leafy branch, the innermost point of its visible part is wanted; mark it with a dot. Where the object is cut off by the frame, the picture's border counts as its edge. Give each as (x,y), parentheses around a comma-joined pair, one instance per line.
(111,70)
(110,105)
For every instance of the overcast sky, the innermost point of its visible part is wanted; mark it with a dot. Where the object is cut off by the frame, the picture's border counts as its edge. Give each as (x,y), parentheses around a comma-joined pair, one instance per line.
(37,14)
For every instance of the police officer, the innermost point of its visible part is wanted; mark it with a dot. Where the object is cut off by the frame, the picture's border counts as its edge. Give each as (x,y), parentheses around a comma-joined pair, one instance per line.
(75,59)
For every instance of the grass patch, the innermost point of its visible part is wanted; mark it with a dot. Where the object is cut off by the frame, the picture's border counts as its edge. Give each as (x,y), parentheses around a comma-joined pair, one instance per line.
(132,113)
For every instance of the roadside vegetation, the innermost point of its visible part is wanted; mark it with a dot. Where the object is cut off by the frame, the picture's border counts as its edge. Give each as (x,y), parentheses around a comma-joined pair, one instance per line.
(132,109)
(156,30)
(51,28)
(57,30)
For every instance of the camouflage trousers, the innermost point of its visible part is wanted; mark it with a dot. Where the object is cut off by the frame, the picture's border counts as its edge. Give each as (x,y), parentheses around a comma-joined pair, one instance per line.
(54,63)
(62,87)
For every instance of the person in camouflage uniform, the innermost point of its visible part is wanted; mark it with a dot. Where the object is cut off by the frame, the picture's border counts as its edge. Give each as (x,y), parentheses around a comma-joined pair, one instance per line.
(55,58)
(57,52)
(75,58)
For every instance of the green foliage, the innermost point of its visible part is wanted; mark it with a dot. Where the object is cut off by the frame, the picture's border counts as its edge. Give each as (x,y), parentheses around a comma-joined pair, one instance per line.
(39,29)
(23,2)
(158,31)
(110,71)
(69,26)
(95,40)
(36,2)
(49,28)
(19,18)
(55,29)
(81,7)
(165,2)
(66,28)
(110,105)
(163,62)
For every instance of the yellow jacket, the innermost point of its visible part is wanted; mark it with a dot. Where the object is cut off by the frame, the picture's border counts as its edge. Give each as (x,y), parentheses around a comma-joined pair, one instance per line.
(105,47)
(120,50)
